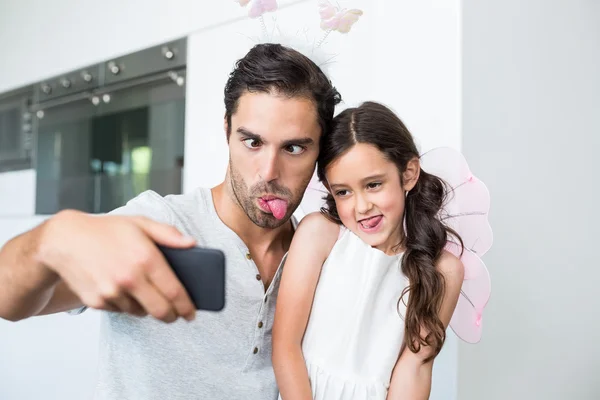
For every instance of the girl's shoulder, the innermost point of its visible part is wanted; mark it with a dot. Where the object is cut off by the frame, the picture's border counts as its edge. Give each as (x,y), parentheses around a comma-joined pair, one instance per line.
(315,230)
(451,267)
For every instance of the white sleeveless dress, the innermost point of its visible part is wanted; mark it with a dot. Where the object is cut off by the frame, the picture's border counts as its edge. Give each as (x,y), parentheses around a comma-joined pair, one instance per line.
(355,332)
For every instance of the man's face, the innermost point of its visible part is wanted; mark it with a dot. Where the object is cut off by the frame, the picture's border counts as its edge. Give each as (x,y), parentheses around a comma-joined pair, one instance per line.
(273,148)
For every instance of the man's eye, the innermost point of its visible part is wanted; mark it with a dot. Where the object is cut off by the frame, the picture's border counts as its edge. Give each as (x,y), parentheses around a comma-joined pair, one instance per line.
(251,143)
(295,149)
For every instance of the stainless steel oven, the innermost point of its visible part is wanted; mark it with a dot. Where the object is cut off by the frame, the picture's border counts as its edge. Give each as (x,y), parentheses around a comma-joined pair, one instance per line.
(110,131)
(16,130)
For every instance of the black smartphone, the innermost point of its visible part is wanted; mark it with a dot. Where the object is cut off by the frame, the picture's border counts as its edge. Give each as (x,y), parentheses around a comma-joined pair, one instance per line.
(202,273)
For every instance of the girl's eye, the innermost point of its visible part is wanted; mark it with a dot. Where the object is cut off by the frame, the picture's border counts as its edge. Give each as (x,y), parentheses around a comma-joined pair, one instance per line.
(373,185)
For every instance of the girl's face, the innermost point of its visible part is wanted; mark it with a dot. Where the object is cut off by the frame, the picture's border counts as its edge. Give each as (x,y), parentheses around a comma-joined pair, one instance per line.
(370,196)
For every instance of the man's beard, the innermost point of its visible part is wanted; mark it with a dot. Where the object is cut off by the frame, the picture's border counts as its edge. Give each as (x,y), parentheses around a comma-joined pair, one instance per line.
(245,198)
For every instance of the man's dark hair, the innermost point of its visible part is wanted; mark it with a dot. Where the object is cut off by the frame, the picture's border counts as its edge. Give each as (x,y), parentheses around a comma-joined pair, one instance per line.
(273,68)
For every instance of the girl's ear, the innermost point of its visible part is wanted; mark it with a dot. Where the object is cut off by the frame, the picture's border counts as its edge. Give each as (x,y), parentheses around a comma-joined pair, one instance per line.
(411,174)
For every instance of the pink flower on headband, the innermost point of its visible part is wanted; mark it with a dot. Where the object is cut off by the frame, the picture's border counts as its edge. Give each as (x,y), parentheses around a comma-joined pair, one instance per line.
(335,19)
(259,7)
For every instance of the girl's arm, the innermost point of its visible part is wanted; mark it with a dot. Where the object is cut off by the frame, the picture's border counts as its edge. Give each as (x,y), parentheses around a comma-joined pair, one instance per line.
(310,247)
(411,379)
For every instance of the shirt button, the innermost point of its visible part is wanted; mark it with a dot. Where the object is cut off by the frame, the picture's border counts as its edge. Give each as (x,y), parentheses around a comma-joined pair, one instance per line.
(258,278)
(248,256)
(260,324)
(255,350)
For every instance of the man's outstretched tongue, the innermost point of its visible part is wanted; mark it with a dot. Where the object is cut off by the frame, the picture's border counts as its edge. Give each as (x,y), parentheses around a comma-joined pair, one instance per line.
(278,207)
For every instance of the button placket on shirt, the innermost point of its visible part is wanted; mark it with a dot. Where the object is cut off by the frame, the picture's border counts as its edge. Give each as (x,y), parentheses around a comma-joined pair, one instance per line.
(259,327)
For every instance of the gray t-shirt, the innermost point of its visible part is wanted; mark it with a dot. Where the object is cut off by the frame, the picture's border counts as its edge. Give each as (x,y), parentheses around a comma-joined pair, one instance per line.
(219,355)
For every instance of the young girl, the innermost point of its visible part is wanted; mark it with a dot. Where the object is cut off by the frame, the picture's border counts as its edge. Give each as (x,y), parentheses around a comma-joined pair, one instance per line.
(367,290)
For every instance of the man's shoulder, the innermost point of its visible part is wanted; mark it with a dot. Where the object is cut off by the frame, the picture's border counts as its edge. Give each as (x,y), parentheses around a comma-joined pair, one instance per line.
(166,209)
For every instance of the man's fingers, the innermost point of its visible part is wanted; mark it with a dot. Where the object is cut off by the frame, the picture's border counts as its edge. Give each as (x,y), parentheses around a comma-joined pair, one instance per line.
(129,305)
(173,290)
(164,234)
(153,302)
(109,306)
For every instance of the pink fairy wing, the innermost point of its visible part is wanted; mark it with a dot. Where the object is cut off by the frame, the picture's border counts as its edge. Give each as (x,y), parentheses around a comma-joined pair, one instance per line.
(468,203)
(466,211)
(467,321)
(347,19)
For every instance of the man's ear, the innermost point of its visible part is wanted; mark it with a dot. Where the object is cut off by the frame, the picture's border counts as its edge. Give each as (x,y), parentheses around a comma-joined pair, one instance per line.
(410,176)
(226,128)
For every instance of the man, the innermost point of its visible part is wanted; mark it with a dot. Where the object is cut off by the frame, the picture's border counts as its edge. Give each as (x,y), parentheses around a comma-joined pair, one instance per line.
(278,104)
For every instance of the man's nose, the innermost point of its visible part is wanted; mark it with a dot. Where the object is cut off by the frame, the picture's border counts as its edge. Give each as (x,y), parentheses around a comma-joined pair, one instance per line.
(270,168)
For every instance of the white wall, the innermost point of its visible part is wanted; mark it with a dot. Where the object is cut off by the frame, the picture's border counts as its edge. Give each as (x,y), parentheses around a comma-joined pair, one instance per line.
(405,54)
(532,133)
(17,194)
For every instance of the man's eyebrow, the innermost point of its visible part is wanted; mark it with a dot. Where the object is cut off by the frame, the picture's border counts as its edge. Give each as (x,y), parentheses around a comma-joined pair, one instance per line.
(302,141)
(250,135)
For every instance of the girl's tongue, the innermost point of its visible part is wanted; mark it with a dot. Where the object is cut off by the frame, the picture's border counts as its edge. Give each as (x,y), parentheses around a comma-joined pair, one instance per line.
(371,222)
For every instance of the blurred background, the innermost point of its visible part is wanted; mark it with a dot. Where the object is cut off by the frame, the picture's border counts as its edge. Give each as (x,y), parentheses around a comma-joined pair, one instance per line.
(101,100)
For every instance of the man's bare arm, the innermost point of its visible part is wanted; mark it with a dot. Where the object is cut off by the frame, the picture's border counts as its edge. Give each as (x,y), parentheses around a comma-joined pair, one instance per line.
(103,262)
